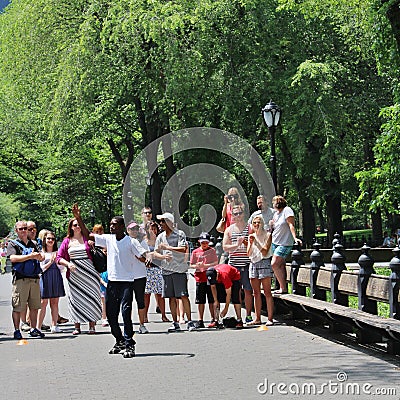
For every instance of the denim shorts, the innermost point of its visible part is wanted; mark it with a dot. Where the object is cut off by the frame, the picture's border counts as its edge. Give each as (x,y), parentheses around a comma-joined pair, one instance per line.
(261,269)
(281,251)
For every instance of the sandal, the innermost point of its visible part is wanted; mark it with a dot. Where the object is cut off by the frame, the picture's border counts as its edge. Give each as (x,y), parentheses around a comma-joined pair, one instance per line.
(91,331)
(76,332)
(252,323)
(165,319)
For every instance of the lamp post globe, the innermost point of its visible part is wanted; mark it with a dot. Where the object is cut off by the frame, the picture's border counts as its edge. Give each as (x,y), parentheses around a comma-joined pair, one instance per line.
(271,115)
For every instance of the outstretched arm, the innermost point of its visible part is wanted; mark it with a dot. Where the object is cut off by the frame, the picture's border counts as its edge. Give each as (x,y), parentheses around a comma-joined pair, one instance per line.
(77,215)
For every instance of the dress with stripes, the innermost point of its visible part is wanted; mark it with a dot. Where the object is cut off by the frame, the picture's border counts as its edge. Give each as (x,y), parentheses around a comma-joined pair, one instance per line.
(84,300)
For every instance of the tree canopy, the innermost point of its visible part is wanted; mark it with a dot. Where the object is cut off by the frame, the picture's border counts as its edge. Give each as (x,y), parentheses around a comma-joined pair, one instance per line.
(86,85)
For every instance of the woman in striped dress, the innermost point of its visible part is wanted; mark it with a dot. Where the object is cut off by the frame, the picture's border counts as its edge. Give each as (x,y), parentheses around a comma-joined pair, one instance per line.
(235,243)
(84,300)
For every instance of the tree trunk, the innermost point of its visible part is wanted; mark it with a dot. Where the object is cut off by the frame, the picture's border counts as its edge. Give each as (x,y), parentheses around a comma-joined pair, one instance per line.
(393,15)
(333,200)
(376,218)
(307,220)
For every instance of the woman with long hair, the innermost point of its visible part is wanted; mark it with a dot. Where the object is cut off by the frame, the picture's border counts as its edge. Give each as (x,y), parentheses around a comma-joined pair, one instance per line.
(283,237)
(51,281)
(231,199)
(260,271)
(84,283)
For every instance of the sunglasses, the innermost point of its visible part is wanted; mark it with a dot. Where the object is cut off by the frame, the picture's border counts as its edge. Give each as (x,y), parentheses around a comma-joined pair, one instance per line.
(232,196)
(50,238)
(23,229)
(162,221)
(237,213)
(256,223)
(147,212)
(31,229)
(75,225)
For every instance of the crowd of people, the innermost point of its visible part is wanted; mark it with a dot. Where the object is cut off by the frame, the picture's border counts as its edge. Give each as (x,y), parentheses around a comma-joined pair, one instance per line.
(150,258)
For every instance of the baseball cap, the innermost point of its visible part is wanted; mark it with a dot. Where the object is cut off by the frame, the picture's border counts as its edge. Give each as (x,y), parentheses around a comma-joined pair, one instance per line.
(204,237)
(211,274)
(166,215)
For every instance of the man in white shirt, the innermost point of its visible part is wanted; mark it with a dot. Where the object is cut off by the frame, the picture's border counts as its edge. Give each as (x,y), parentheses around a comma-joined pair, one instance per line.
(125,266)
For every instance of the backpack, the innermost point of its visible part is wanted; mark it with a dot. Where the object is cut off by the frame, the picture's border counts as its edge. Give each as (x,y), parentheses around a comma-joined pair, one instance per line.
(29,268)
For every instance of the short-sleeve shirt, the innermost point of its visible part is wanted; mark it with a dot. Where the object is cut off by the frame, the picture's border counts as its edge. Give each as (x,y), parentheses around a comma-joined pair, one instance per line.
(227,274)
(281,234)
(122,264)
(14,249)
(177,238)
(209,256)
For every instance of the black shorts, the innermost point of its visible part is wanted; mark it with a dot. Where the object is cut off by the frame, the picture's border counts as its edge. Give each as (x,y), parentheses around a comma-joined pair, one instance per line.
(203,290)
(235,293)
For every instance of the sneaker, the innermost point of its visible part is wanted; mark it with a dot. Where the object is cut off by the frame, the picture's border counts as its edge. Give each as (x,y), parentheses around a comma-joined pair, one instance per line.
(25,327)
(248,319)
(191,326)
(17,335)
(143,329)
(45,327)
(175,327)
(36,333)
(212,324)
(129,351)
(239,324)
(55,329)
(62,320)
(220,325)
(269,323)
(104,322)
(118,348)
(200,324)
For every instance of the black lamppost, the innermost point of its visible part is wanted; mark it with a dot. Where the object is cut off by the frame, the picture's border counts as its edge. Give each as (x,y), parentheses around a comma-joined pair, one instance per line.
(149,183)
(272,114)
(92,215)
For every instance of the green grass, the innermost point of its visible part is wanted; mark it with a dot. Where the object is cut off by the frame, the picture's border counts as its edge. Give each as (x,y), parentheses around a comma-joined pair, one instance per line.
(357,232)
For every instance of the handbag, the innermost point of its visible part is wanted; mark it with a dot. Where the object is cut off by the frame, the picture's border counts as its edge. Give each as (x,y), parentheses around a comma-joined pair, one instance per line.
(99,259)
(221,226)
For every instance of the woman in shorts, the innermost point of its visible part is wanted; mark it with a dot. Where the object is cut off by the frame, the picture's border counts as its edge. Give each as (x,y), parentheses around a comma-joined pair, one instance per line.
(260,271)
(283,237)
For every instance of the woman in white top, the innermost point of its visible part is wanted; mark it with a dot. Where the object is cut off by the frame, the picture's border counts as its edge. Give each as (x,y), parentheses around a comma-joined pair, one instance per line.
(260,272)
(283,237)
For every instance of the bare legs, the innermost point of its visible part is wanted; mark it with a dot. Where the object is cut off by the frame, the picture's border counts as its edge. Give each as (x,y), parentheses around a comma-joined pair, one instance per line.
(53,310)
(278,266)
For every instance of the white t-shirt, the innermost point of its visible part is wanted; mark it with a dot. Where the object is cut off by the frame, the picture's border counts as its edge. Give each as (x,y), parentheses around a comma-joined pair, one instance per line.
(281,234)
(122,264)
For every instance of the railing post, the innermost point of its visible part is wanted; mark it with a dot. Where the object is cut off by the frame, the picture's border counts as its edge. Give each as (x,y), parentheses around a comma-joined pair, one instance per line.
(338,260)
(317,261)
(366,263)
(394,285)
(297,261)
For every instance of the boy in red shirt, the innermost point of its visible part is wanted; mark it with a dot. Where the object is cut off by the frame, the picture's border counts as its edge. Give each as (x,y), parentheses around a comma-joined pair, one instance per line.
(225,286)
(202,258)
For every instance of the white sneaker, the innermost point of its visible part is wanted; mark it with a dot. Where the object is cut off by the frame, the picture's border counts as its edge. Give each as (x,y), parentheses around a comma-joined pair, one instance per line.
(104,322)
(55,329)
(143,329)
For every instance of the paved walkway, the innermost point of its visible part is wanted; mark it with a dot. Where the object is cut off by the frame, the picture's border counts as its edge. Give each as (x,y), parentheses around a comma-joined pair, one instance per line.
(227,364)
